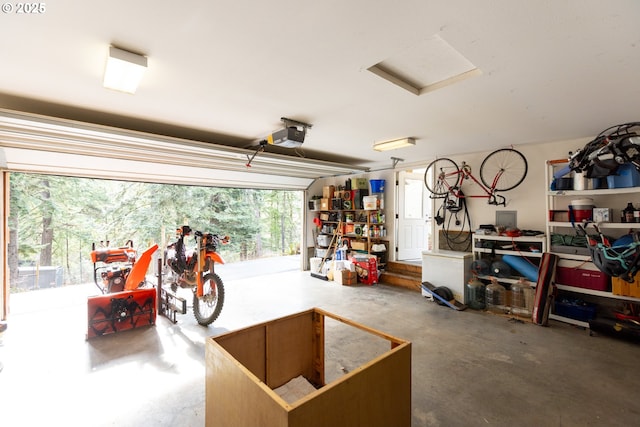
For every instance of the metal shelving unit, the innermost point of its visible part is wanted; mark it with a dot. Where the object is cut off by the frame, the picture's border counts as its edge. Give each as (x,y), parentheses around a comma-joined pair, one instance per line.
(559,200)
(539,242)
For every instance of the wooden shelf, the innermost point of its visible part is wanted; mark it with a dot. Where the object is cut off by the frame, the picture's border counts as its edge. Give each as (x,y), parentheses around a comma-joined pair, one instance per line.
(367,239)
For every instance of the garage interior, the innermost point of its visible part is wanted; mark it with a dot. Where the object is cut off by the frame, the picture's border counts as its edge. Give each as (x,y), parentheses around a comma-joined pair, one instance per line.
(458,80)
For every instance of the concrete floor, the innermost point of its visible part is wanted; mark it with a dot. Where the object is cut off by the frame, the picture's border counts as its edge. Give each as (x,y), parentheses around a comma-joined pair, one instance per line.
(468,368)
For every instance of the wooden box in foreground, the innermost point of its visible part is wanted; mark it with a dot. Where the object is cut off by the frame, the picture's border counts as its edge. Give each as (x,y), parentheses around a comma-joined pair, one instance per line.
(244,367)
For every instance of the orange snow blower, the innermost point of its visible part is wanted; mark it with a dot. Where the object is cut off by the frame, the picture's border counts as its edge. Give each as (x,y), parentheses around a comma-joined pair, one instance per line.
(126,301)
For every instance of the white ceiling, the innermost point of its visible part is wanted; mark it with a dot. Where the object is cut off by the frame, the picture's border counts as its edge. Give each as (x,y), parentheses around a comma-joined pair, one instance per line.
(227,71)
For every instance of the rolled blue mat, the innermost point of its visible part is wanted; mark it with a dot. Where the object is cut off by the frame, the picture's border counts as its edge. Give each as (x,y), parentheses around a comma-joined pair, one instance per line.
(561,172)
(522,266)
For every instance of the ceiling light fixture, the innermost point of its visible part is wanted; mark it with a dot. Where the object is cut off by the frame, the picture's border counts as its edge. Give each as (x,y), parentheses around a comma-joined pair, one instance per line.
(124,70)
(392,145)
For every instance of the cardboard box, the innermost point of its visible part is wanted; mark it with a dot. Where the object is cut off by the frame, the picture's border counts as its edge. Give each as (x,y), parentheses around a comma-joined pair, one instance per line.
(358,245)
(624,288)
(345,277)
(602,215)
(325,204)
(245,367)
(367,269)
(558,216)
(359,184)
(327,191)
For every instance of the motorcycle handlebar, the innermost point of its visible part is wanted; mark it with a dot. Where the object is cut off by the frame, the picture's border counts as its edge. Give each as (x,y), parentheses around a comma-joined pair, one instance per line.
(185,231)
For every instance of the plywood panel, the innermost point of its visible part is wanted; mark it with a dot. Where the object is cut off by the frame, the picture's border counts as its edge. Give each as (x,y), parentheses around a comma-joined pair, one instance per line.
(248,347)
(235,398)
(375,395)
(454,236)
(317,377)
(289,348)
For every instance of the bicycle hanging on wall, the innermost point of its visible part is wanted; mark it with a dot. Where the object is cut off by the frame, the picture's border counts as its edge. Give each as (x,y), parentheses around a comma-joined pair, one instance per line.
(501,170)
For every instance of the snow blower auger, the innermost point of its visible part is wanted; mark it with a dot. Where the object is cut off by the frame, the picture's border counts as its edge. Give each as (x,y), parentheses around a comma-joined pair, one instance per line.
(126,301)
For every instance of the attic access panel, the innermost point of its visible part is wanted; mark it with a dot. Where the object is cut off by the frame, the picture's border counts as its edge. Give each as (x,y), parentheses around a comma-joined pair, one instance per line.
(429,65)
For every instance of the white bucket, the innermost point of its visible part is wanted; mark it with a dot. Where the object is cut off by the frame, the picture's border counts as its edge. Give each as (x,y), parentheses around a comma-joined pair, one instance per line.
(581,182)
(315,264)
(370,202)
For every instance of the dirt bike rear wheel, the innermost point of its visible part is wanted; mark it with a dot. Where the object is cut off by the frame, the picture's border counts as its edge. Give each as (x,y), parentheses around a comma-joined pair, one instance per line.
(207,308)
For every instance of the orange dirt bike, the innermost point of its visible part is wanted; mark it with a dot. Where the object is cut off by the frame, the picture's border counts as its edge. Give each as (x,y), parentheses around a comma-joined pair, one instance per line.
(194,268)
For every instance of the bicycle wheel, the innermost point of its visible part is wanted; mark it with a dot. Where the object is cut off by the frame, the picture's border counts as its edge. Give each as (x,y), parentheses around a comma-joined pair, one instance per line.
(440,176)
(506,166)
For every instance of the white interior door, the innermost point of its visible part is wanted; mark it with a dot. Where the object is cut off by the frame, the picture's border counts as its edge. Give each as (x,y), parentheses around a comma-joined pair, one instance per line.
(413,224)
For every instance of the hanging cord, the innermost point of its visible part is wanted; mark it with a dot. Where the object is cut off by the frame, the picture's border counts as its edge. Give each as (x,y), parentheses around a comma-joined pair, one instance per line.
(454,240)
(260,149)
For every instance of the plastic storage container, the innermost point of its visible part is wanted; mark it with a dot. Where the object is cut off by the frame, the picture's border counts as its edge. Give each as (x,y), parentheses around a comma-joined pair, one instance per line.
(323,240)
(370,202)
(582,209)
(627,176)
(377,185)
(575,309)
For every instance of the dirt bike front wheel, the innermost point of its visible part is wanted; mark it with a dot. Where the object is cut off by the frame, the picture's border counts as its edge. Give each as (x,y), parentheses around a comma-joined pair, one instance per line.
(207,308)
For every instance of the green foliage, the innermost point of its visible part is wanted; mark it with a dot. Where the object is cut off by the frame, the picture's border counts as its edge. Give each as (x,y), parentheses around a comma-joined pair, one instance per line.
(84,212)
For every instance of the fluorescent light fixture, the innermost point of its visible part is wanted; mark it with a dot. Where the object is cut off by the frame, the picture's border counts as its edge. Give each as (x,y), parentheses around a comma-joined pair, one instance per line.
(392,145)
(124,70)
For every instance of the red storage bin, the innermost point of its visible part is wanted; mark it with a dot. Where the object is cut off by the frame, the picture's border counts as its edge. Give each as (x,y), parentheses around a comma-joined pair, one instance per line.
(583,278)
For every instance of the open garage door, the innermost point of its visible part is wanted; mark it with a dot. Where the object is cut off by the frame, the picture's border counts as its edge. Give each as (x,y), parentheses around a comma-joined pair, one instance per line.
(38,144)
(30,143)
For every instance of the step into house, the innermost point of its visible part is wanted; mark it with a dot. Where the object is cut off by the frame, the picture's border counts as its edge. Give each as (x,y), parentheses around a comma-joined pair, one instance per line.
(405,274)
